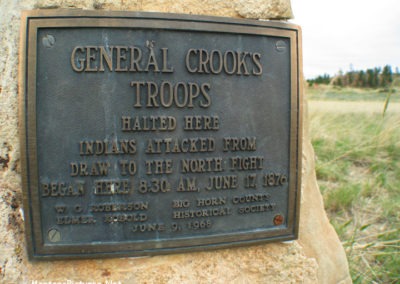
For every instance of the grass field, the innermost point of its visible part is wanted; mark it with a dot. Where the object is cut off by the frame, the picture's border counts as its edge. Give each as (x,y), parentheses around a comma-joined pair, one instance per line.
(325,92)
(358,170)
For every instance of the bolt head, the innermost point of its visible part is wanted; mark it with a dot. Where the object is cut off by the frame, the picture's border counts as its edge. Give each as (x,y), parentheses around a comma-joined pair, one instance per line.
(278,220)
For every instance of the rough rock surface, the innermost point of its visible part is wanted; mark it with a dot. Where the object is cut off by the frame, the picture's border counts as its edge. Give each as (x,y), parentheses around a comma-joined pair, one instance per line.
(254,9)
(316,257)
(261,9)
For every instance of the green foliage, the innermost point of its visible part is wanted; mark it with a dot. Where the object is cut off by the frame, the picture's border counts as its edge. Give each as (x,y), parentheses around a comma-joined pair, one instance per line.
(358,170)
(342,197)
(325,92)
(386,76)
(324,79)
(370,78)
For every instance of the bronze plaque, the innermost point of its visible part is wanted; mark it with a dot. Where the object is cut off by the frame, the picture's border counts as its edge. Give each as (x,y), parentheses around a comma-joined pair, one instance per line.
(151,133)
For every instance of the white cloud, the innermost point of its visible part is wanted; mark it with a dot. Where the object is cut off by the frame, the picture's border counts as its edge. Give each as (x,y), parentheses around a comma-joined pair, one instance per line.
(338,33)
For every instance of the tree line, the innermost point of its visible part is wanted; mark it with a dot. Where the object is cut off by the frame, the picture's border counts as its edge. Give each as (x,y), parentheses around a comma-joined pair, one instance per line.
(371,78)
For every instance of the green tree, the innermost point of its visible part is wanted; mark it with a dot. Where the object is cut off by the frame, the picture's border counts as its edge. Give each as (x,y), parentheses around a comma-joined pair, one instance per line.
(350,78)
(362,79)
(376,77)
(386,76)
(370,78)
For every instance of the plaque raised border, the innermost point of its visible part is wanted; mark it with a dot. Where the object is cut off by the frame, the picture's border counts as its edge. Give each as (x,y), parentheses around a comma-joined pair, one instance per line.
(43,243)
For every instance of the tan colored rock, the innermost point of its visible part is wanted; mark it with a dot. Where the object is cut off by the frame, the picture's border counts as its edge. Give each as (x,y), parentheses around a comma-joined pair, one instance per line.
(257,264)
(261,9)
(317,236)
(317,257)
(254,9)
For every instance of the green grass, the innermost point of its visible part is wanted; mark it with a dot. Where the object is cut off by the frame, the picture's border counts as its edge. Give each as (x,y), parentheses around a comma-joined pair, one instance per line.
(325,92)
(358,170)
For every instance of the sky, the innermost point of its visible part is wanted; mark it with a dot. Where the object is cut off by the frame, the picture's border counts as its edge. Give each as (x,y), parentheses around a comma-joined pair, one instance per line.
(348,34)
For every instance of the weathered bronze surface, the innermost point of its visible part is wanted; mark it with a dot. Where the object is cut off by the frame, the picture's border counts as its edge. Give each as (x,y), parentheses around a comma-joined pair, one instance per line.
(155,133)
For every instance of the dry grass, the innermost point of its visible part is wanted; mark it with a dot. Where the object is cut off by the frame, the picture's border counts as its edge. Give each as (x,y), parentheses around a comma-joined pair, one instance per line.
(358,170)
(353,107)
